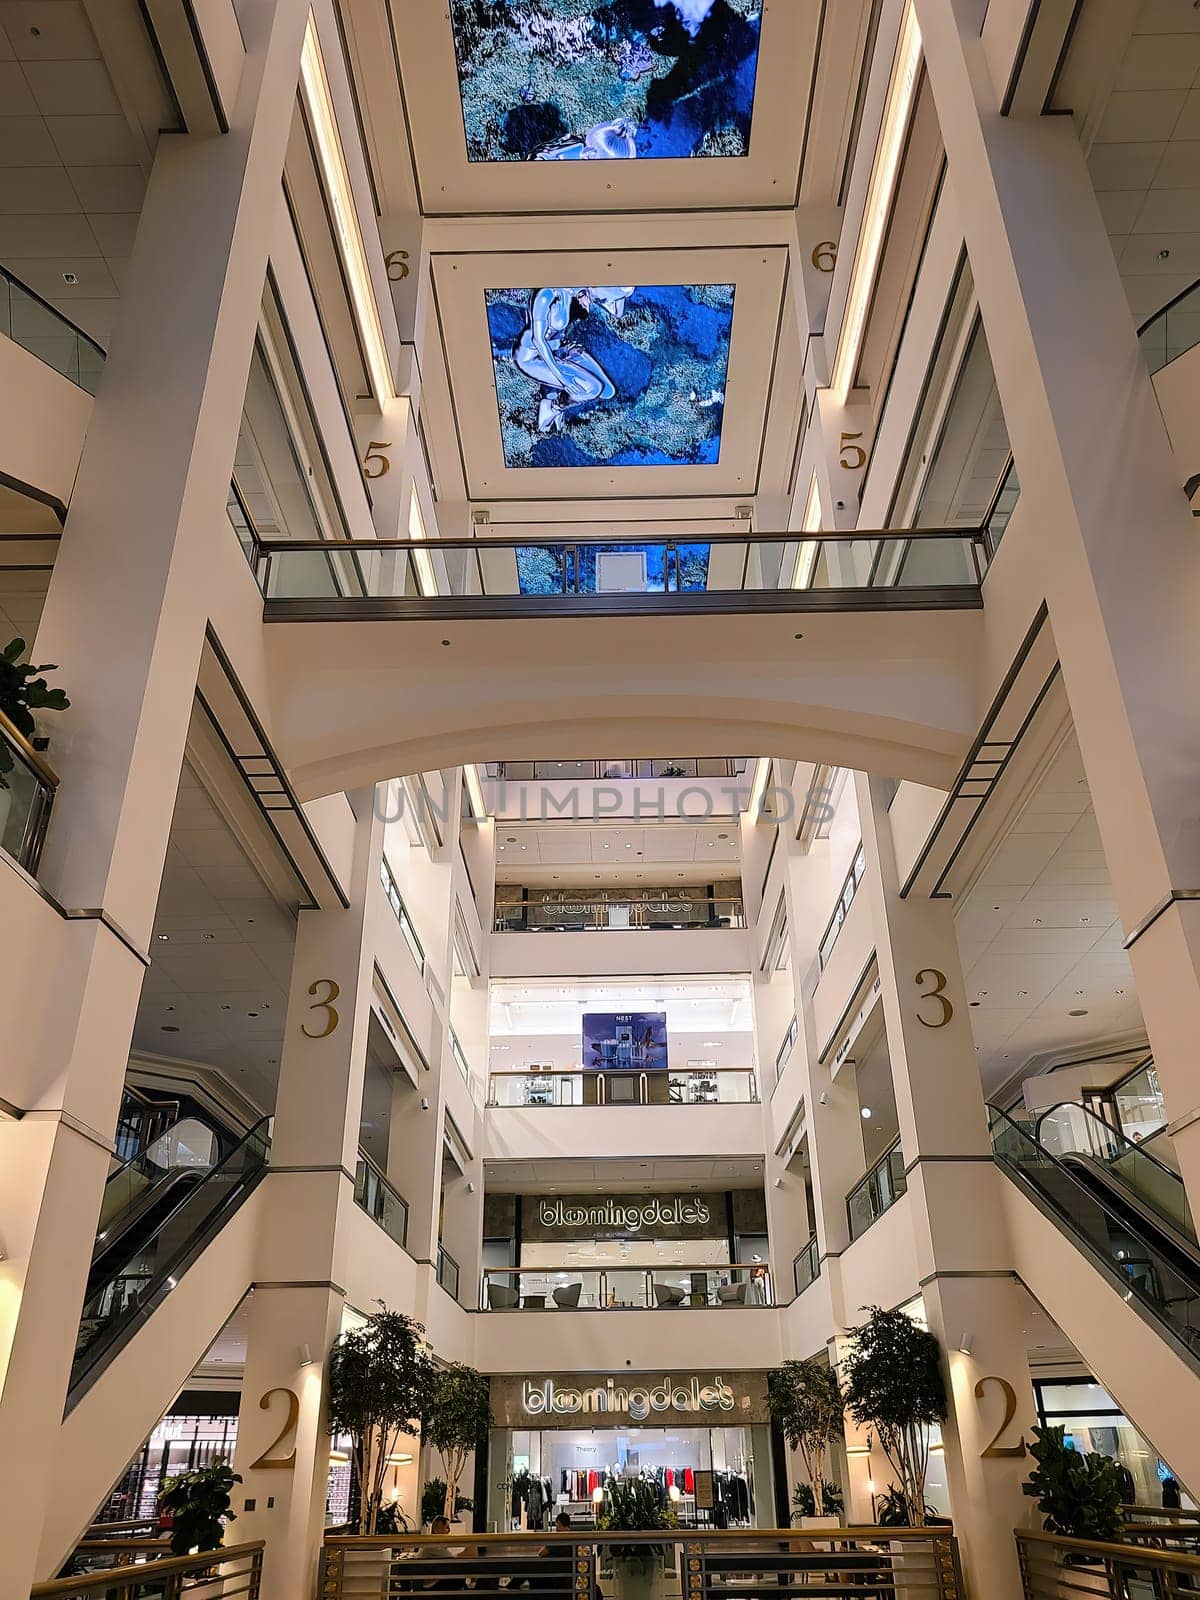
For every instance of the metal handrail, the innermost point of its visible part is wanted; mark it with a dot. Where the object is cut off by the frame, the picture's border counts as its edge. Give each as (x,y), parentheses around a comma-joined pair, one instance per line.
(387,1188)
(601,1076)
(111,1579)
(810,1255)
(1170,306)
(1116,1134)
(749,1270)
(34,757)
(600,1072)
(270,547)
(864,1183)
(1053,1565)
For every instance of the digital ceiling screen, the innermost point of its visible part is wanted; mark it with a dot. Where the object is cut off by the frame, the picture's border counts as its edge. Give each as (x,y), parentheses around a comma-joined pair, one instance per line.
(604,80)
(614,376)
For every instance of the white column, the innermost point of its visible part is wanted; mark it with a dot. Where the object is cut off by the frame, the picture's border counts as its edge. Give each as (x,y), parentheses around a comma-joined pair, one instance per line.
(295,1311)
(124,618)
(962,1251)
(1115,543)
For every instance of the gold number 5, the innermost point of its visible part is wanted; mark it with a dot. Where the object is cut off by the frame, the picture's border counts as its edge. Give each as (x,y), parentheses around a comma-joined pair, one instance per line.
(936,993)
(376,458)
(327,1006)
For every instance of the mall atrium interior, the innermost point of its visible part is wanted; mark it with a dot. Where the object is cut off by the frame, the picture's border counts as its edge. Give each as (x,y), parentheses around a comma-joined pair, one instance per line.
(401,965)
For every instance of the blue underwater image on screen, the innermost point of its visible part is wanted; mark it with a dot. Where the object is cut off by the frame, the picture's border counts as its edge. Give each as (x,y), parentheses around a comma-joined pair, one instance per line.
(571,569)
(611,376)
(603,80)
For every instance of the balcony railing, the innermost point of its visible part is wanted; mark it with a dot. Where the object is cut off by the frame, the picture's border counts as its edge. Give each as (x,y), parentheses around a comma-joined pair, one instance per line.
(27,786)
(576,771)
(840,911)
(574,1288)
(312,579)
(447,1272)
(1054,1567)
(46,333)
(676,1086)
(877,1192)
(674,913)
(380,1201)
(1171,332)
(166,1578)
(806,1265)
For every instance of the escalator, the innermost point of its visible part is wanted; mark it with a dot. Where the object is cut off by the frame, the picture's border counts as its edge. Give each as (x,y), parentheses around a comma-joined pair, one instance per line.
(171,1214)
(1103,1241)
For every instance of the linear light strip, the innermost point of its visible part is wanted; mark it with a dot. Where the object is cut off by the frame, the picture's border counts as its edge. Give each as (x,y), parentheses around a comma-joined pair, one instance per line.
(475,790)
(422,560)
(806,554)
(319,105)
(880,192)
(759,787)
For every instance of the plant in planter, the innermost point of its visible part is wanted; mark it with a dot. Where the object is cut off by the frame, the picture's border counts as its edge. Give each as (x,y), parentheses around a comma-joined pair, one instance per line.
(198,1505)
(22,692)
(380,1380)
(433,1501)
(894,1385)
(456,1422)
(633,1506)
(805,1400)
(1078,1495)
(804,1503)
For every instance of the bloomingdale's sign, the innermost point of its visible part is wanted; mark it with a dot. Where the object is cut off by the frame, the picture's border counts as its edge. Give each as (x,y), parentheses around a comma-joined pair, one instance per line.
(624,1216)
(568,1399)
(544,1397)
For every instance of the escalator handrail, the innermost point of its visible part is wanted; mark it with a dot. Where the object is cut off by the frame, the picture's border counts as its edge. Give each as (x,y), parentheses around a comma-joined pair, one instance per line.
(996,1115)
(222,1134)
(1114,1133)
(92,1354)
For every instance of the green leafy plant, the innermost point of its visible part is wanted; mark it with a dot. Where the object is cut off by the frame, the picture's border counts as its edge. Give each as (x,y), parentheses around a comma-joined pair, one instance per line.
(22,692)
(805,1400)
(198,1503)
(1078,1495)
(380,1382)
(391,1519)
(456,1421)
(631,1505)
(891,1508)
(433,1501)
(894,1385)
(804,1503)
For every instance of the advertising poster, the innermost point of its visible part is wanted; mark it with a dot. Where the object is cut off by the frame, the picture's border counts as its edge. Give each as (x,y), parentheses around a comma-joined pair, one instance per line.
(625,1041)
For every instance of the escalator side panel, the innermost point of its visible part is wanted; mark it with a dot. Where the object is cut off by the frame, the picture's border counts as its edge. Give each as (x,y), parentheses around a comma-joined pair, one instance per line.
(1150,1380)
(107,1426)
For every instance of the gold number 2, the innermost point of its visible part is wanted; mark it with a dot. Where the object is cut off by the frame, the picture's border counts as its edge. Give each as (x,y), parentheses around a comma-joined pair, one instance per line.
(1010,1410)
(266,1460)
(936,993)
(332,1017)
(375,457)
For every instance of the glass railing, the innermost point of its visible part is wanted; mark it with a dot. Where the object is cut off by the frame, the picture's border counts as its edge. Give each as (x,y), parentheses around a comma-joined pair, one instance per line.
(181,1153)
(1173,331)
(631,1288)
(877,1192)
(674,1086)
(46,333)
(447,1272)
(806,1265)
(380,1201)
(845,900)
(921,568)
(400,911)
(1162,1279)
(678,911)
(575,771)
(149,1266)
(1073,1133)
(27,786)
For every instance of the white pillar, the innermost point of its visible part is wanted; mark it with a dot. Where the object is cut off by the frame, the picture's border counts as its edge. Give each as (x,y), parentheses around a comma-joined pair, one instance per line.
(124,618)
(1115,542)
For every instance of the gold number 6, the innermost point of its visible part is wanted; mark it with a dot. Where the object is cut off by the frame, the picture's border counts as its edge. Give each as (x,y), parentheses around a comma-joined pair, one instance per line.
(936,993)
(326,1005)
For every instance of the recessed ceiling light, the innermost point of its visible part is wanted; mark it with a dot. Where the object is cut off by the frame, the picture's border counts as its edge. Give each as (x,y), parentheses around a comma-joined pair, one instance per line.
(70,277)
(1077,1013)
(169,1027)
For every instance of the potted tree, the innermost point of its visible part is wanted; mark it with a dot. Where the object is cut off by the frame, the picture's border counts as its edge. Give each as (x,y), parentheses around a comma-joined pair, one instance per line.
(1078,1495)
(197,1505)
(805,1401)
(456,1422)
(22,692)
(380,1377)
(433,1501)
(633,1506)
(894,1385)
(804,1505)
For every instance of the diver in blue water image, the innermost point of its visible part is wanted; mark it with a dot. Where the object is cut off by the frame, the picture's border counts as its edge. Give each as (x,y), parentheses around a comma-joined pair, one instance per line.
(546,353)
(607,141)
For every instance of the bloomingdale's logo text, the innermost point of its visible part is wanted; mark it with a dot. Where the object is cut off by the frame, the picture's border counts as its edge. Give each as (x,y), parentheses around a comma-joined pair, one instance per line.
(543,1397)
(613,1214)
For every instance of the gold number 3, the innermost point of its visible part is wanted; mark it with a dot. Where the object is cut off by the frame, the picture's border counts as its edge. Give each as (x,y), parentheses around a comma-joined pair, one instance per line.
(293,1416)
(1010,1410)
(327,1006)
(936,993)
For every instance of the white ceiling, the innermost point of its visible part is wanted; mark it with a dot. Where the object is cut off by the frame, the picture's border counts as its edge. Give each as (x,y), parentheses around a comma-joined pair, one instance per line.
(221,954)
(1040,937)
(578,1176)
(1144,153)
(72,164)
(616,851)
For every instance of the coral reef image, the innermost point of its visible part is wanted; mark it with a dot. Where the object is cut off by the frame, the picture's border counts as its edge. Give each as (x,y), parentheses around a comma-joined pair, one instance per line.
(595,80)
(572,569)
(611,376)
